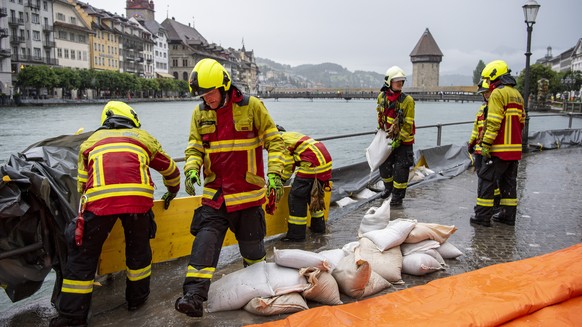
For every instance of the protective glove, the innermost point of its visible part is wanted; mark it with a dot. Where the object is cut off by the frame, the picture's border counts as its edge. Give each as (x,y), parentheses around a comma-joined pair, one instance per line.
(192,176)
(485,150)
(168,197)
(395,144)
(470,147)
(276,184)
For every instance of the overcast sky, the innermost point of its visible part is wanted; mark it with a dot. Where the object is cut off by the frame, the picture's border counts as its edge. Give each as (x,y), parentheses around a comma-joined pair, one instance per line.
(373,35)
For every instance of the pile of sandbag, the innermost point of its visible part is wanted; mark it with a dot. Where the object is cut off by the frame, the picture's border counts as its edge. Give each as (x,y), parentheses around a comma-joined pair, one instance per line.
(385,249)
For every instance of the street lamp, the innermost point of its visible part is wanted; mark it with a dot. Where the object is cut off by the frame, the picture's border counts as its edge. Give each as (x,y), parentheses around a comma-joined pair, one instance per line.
(530,11)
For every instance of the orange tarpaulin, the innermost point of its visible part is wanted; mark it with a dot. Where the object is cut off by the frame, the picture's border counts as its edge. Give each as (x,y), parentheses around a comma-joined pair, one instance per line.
(517,293)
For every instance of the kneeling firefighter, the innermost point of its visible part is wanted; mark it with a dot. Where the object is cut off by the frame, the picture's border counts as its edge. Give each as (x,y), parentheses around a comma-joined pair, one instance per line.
(115,182)
(311,163)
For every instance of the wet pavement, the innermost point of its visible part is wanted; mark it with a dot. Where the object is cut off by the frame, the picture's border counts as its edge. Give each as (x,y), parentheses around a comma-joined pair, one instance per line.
(548,219)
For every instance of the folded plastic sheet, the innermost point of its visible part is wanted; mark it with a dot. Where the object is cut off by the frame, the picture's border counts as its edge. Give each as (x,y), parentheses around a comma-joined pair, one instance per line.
(546,288)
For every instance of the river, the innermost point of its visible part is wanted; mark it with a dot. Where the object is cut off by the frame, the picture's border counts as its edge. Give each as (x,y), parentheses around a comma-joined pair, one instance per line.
(169,122)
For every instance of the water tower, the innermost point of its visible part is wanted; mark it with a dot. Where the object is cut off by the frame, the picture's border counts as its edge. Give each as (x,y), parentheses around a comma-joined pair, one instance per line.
(426,58)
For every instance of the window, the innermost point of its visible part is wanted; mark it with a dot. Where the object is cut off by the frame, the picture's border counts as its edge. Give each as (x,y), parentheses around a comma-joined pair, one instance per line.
(45,5)
(59,52)
(73,20)
(72,36)
(35,18)
(36,35)
(73,54)
(66,53)
(185,63)
(60,16)
(175,63)
(62,35)
(37,53)
(81,39)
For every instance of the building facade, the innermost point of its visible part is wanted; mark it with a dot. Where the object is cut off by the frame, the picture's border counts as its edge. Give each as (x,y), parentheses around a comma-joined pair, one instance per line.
(71,35)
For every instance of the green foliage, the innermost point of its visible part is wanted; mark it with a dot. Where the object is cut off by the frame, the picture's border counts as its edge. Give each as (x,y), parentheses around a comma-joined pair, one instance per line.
(477,72)
(538,71)
(37,77)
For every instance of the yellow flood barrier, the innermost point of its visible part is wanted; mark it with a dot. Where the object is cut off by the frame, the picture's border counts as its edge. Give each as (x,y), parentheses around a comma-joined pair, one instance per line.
(173,239)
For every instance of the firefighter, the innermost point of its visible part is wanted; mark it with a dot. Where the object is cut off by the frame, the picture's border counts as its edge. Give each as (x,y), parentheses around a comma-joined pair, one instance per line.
(501,147)
(396,116)
(227,135)
(311,163)
(115,183)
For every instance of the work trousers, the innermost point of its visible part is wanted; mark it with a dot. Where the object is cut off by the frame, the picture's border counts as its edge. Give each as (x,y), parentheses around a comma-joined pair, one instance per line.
(209,226)
(395,170)
(299,200)
(494,173)
(74,301)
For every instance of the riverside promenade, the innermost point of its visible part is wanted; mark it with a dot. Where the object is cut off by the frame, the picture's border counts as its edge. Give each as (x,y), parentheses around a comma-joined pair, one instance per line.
(548,219)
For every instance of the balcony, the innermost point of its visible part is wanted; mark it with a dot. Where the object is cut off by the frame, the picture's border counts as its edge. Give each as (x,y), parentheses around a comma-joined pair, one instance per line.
(5,53)
(47,27)
(17,39)
(3,12)
(4,33)
(49,44)
(15,21)
(28,58)
(32,4)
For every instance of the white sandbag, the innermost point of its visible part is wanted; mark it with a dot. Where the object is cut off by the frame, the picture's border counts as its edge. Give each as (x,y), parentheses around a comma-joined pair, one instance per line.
(435,254)
(350,247)
(420,247)
(419,264)
(352,276)
(430,231)
(235,290)
(297,258)
(283,280)
(379,150)
(333,257)
(375,285)
(449,251)
(364,194)
(375,218)
(393,235)
(345,201)
(323,287)
(387,264)
(287,303)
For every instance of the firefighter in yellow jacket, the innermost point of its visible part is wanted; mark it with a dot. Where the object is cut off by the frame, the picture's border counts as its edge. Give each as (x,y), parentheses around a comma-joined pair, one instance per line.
(115,182)
(501,146)
(311,163)
(396,116)
(227,135)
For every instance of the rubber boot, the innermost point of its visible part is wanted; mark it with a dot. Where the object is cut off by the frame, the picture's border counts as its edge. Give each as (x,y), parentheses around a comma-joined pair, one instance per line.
(317,225)
(504,216)
(480,221)
(295,233)
(62,321)
(190,304)
(387,191)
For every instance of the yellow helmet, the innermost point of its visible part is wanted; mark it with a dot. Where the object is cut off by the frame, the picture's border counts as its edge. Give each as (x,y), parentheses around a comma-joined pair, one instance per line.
(483,86)
(207,75)
(494,69)
(394,73)
(119,109)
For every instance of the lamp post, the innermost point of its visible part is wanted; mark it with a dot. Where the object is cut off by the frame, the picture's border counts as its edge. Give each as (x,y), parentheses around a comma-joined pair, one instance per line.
(530,11)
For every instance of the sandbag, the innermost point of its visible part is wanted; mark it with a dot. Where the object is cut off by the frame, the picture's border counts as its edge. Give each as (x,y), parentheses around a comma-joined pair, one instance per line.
(449,251)
(352,276)
(379,150)
(323,287)
(297,258)
(262,279)
(333,257)
(430,231)
(387,264)
(375,218)
(375,285)
(393,235)
(286,303)
(419,264)
(420,247)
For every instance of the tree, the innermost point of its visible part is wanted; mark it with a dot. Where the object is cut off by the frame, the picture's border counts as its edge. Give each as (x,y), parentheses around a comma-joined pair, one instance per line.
(477,72)
(37,77)
(536,72)
(68,78)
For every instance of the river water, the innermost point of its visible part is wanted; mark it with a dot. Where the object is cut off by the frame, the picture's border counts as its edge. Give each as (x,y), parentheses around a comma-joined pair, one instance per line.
(169,122)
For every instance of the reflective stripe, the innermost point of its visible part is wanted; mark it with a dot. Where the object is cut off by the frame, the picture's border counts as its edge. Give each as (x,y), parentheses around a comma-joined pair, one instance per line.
(496,192)
(244,197)
(233,145)
(508,202)
(138,274)
(77,286)
(109,191)
(400,186)
(485,202)
(388,180)
(317,214)
(252,262)
(297,220)
(202,273)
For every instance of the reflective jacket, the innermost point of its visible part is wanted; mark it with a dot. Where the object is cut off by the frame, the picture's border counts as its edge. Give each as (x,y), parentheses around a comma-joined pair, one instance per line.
(228,143)
(114,173)
(390,104)
(478,124)
(505,120)
(309,157)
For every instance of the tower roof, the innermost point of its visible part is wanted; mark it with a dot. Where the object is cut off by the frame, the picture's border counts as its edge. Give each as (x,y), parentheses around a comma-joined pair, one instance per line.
(426,46)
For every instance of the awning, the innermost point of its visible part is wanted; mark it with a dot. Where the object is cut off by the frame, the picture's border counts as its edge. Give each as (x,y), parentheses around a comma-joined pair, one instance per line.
(165,75)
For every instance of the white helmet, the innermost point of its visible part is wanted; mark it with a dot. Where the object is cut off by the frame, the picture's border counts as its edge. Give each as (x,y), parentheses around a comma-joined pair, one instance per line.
(394,73)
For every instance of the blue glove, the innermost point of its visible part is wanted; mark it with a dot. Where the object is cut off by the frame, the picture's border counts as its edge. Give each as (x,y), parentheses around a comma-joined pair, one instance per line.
(168,197)
(395,144)
(192,176)
(275,183)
